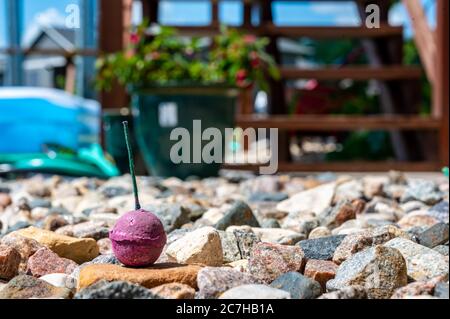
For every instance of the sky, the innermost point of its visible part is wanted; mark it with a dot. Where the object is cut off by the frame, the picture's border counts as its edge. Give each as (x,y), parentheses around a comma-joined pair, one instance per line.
(197,13)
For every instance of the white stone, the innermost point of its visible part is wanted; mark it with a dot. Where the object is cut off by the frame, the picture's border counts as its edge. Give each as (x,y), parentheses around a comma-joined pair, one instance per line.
(60,280)
(255,292)
(201,246)
(313,200)
(277,235)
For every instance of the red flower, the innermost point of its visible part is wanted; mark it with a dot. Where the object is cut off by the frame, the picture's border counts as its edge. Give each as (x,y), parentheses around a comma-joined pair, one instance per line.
(249,39)
(255,61)
(241,78)
(135,38)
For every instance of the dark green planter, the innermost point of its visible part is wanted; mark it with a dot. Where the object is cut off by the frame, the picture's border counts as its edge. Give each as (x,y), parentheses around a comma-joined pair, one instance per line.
(158,111)
(114,137)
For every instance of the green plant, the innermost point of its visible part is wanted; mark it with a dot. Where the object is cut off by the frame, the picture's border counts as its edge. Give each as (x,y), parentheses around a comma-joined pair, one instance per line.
(234,59)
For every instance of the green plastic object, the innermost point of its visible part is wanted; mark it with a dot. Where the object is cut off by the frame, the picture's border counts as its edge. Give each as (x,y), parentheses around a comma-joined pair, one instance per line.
(87,162)
(445,171)
(158,111)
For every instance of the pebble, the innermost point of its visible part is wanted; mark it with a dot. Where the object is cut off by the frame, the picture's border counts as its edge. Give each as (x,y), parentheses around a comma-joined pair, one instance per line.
(442,249)
(90,229)
(115,290)
(201,246)
(321,248)
(441,290)
(269,261)
(61,281)
(5,200)
(173,216)
(418,288)
(9,262)
(45,262)
(104,246)
(230,247)
(321,271)
(77,249)
(423,263)
(156,275)
(25,246)
(333,217)
(27,287)
(319,232)
(350,292)
(174,291)
(417,219)
(240,265)
(440,211)
(424,191)
(313,200)
(239,214)
(278,236)
(380,270)
(355,243)
(213,281)
(256,292)
(246,240)
(434,236)
(298,286)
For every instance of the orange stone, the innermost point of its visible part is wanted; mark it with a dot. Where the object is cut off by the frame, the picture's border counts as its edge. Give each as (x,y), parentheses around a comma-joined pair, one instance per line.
(321,271)
(156,275)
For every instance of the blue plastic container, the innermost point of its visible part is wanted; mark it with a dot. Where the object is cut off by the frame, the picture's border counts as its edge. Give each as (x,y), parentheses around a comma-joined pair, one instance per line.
(31,117)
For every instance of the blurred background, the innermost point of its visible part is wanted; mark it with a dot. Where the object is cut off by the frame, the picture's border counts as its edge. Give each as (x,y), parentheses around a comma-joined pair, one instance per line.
(350,97)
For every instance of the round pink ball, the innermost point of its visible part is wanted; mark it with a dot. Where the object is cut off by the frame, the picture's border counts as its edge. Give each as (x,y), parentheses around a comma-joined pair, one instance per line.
(138,238)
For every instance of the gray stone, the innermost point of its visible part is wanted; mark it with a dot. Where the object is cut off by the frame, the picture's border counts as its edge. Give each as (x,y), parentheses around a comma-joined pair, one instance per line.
(239,214)
(440,211)
(423,263)
(230,247)
(350,292)
(115,290)
(173,216)
(321,248)
(299,286)
(268,197)
(424,191)
(441,290)
(434,236)
(246,241)
(442,249)
(270,223)
(255,292)
(213,281)
(27,287)
(380,270)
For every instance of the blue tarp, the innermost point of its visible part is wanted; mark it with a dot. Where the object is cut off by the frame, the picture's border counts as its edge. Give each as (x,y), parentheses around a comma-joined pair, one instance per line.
(31,117)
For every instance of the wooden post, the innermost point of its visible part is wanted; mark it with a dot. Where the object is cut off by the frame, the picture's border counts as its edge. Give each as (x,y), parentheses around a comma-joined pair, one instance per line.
(440,93)
(150,10)
(247,13)
(215,13)
(113,37)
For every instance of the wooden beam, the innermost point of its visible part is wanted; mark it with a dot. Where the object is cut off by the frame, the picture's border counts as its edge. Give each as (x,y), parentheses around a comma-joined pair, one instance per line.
(71,75)
(352,166)
(424,37)
(215,13)
(328,123)
(441,95)
(113,37)
(354,72)
(335,32)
